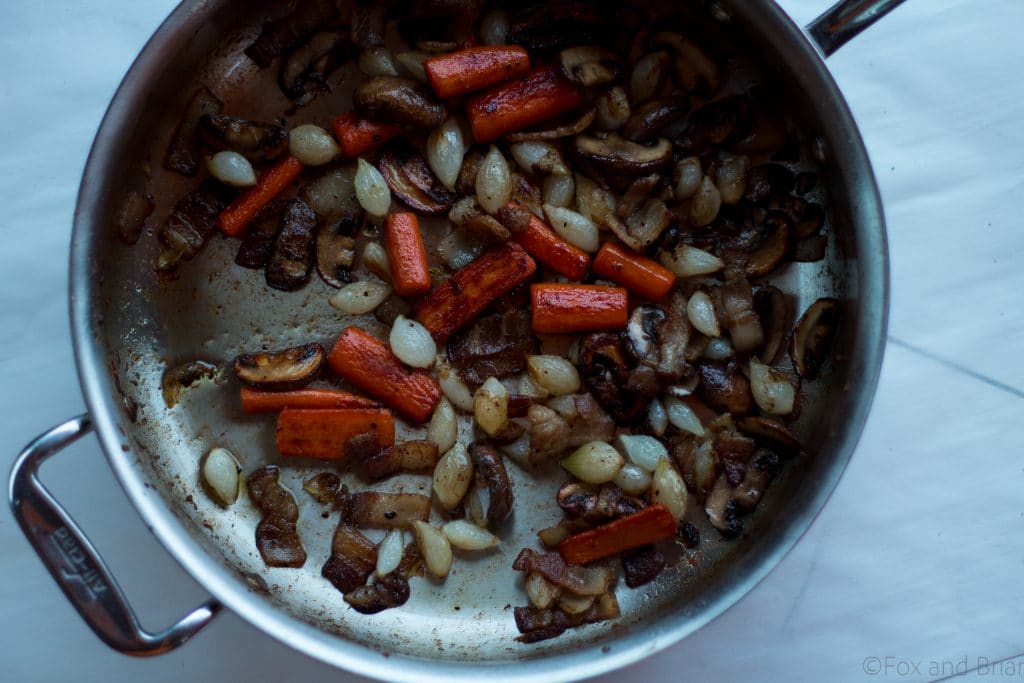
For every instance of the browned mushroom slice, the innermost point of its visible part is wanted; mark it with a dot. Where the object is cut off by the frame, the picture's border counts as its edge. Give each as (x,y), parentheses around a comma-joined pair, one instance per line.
(292,260)
(537,624)
(720,120)
(724,388)
(175,380)
(190,223)
(770,307)
(675,352)
(353,558)
(398,100)
(277,536)
(595,506)
(810,249)
(323,486)
(604,367)
(766,133)
(562,128)
(642,565)
(807,217)
(647,121)
(733,451)
(745,329)
(769,432)
(385,593)
(335,255)
(489,475)
(183,154)
(409,456)
(131,218)
(695,68)
(385,510)
(643,333)
(260,237)
(304,73)
(773,247)
(255,140)
(813,337)
(591,66)
(722,511)
(414,184)
(495,346)
(758,475)
(280,35)
(614,155)
(285,369)
(767,181)
(554,25)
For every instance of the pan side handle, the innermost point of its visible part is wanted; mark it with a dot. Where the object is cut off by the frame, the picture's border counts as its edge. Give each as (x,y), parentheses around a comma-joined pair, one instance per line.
(845,20)
(73,561)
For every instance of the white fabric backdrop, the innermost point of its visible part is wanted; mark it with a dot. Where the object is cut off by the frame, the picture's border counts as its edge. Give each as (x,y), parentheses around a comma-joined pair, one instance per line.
(916,561)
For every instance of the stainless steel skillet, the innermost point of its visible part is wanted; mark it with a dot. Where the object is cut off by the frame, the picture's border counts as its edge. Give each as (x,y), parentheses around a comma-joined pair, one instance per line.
(128,327)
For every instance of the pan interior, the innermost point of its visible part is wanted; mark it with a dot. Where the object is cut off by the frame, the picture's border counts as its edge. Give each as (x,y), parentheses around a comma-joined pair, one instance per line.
(136,325)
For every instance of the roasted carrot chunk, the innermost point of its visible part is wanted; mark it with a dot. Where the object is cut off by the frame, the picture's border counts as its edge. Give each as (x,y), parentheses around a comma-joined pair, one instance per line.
(636,273)
(257,401)
(653,523)
(458,73)
(326,433)
(464,296)
(540,95)
(561,308)
(544,244)
(366,362)
(408,257)
(235,218)
(358,136)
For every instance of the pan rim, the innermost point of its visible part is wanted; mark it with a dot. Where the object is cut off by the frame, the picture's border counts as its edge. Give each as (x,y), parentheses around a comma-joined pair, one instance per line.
(98,386)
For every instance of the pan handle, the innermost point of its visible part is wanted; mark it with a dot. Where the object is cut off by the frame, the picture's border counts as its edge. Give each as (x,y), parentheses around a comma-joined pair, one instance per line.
(73,562)
(845,20)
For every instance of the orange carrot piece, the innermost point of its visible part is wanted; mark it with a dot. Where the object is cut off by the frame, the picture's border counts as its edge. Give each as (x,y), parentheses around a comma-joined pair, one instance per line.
(366,362)
(358,136)
(325,433)
(544,244)
(406,254)
(653,523)
(636,273)
(464,296)
(457,73)
(257,401)
(540,95)
(561,308)
(235,218)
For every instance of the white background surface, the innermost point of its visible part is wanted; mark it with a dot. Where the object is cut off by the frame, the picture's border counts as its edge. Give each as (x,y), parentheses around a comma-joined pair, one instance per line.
(919,555)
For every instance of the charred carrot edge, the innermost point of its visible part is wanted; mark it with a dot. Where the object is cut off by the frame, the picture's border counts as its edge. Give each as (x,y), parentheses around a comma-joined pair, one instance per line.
(510,107)
(367,363)
(358,136)
(474,68)
(257,401)
(235,218)
(325,433)
(408,257)
(559,308)
(464,296)
(653,523)
(544,244)
(636,273)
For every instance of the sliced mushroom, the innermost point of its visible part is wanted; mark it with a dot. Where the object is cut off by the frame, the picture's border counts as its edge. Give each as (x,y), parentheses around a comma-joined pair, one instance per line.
(772,249)
(183,154)
(292,260)
(286,369)
(591,66)
(695,68)
(175,380)
(767,181)
(489,475)
(807,218)
(770,307)
(734,451)
(759,474)
(190,223)
(412,181)
(722,511)
(392,590)
(642,565)
(595,505)
(674,334)
(643,333)
(810,249)
(562,128)
(277,535)
(724,388)
(644,226)
(259,240)
(280,35)
(647,121)
(605,369)
(323,486)
(719,121)
(614,155)
(335,255)
(813,337)
(399,100)
(769,432)
(304,73)
(255,140)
